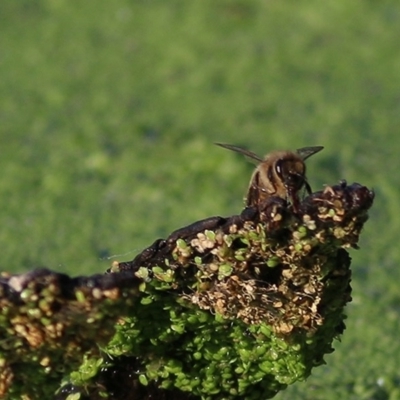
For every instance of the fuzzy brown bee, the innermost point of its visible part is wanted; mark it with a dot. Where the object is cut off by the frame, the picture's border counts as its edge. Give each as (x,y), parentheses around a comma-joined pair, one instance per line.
(279,173)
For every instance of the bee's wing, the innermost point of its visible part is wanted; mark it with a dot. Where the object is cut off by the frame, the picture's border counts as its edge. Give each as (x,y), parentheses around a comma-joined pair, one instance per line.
(238,149)
(306,152)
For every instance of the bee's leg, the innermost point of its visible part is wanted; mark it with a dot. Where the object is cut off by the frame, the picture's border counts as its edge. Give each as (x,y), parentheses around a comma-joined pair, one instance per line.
(273,212)
(293,196)
(308,187)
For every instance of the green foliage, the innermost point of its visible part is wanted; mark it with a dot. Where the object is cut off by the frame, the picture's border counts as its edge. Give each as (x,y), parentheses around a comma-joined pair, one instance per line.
(109,111)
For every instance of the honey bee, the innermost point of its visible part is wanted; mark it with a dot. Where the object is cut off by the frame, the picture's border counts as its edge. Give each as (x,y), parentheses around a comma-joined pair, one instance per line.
(279,173)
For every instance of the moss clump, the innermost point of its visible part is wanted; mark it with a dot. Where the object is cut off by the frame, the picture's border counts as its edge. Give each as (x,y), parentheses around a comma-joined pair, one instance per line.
(225,308)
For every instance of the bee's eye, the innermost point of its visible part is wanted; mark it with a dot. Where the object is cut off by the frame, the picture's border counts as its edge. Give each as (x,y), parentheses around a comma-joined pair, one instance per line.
(278,168)
(282,169)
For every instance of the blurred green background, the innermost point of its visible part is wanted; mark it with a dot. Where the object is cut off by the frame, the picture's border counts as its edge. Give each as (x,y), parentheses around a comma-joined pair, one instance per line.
(109,111)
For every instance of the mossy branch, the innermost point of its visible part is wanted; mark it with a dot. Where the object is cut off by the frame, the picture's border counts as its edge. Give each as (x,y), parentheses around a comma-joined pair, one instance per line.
(225,308)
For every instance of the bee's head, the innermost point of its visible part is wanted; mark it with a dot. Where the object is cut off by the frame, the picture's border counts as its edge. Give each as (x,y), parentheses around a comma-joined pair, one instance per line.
(291,172)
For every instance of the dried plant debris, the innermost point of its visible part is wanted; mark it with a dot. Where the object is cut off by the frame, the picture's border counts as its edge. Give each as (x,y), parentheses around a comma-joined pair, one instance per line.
(226,308)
